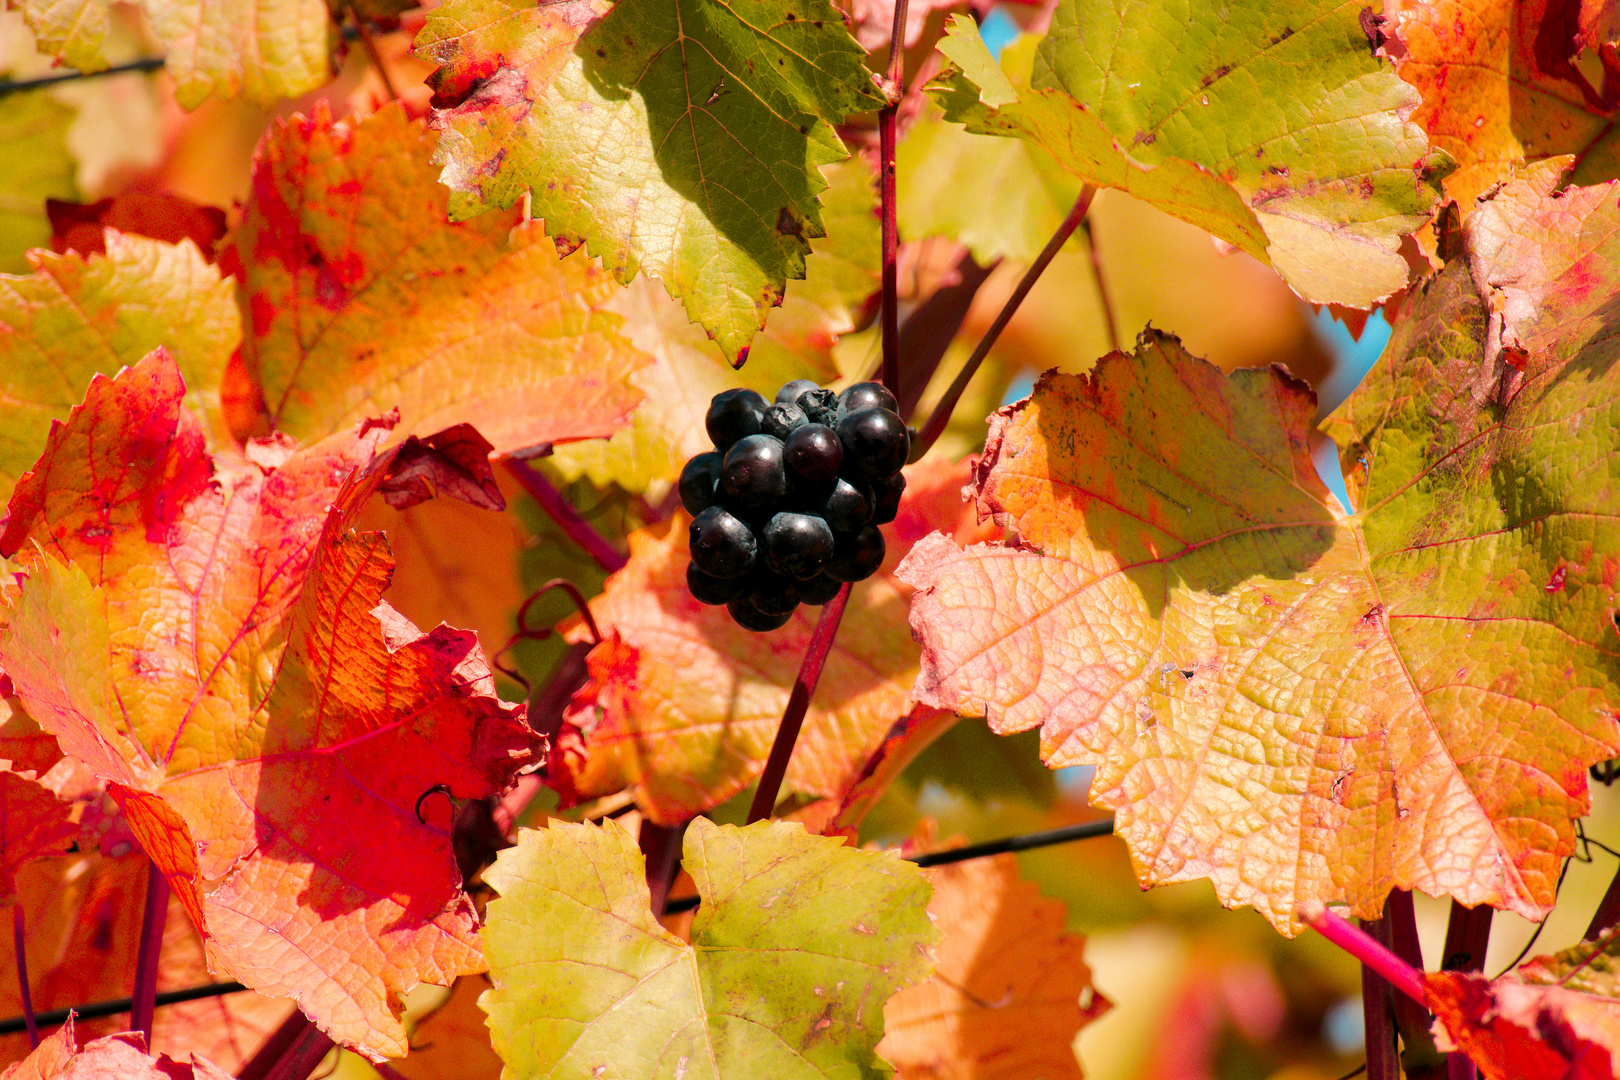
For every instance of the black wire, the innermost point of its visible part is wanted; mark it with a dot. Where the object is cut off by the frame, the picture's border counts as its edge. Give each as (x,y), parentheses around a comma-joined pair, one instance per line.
(121,1005)
(7,86)
(687,903)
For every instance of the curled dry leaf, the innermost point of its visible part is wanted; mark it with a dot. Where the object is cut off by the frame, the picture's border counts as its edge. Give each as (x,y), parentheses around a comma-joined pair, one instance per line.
(114,1057)
(210,638)
(1010,989)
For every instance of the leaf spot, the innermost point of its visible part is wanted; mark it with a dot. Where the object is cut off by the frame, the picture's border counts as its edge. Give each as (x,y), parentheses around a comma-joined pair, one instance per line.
(1556,582)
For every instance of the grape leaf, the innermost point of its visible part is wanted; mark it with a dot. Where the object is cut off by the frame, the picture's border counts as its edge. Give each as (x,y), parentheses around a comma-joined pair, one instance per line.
(114,1057)
(1005,999)
(798,943)
(679,140)
(210,638)
(81,227)
(872,21)
(38,165)
(75,317)
(357,296)
(1599,24)
(33,822)
(1270,125)
(1500,86)
(1000,198)
(688,370)
(452,1041)
(262,49)
(683,704)
(1278,696)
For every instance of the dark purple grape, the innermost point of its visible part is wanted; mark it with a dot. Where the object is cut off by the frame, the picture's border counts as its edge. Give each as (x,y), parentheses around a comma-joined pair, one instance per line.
(821,406)
(866,395)
(708,589)
(849,506)
(887,492)
(813,455)
(722,545)
(753,473)
(782,420)
(700,481)
(749,617)
(734,415)
(773,594)
(790,391)
(797,545)
(875,442)
(857,555)
(819,589)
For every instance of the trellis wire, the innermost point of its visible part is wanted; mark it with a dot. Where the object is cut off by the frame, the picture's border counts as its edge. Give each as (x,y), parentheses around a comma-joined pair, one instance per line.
(149,63)
(1025,842)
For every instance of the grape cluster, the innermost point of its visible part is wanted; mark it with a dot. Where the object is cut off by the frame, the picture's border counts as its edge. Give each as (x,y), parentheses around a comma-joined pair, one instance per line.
(786,507)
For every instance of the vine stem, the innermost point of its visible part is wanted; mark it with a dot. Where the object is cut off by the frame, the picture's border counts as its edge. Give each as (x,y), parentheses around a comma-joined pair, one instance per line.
(1364,947)
(888,130)
(563,513)
(18,939)
(144,999)
(947,404)
(804,686)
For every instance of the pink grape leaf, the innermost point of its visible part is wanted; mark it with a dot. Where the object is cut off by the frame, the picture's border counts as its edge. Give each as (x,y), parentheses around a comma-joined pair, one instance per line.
(209,636)
(1291,701)
(358,295)
(1500,86)
(683,704)
(113,1057)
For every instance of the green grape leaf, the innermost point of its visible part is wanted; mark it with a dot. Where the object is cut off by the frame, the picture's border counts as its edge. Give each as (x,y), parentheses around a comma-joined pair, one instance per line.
(684,140)
(799,942)
(72,31)
(1270,125)
(1295,702)
(39,165)
(796,343)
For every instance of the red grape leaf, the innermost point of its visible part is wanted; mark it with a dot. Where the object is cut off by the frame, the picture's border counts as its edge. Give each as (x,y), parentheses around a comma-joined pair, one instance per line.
(683,704)
(209,637)
(1599,23)
(34,822)
(1500,86)
(1010,989)
(359,295)
(82,227)
(1293,702)
(114,1057)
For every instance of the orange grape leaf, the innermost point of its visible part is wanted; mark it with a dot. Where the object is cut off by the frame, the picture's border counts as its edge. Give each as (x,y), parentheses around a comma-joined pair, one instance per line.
(211,639)
(1500,86)
(683,704)
(1291,701)
(113,1057)
(34,822)
(1599,23)
(452,1042)
(358,295)
(1010,989)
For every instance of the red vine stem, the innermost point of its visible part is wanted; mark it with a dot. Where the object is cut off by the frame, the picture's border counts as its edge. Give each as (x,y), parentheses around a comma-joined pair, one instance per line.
(1361,945)
(947,404)
(893,92)
(1377,1012)
(18,939)
(815,658)
(563,513)
(146,962)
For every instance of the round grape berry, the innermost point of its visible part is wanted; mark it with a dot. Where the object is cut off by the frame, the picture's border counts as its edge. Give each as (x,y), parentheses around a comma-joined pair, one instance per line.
(848,506)
(821,406)
(875,442)
(734,415)
(813,455)
(866,395)
(708,589)
(790,391)
(782,420)
(746,615)
(857,555)
(797,545)
(888,492)
(819,589)
(721,544)
(771,593)
(754,474)
(700,482)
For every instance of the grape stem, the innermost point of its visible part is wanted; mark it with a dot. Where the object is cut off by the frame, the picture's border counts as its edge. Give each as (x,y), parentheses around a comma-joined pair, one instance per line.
(18,939)
(894,90)
(815,658)
(144,998)
(947,404)
(1101,281)
(563,513)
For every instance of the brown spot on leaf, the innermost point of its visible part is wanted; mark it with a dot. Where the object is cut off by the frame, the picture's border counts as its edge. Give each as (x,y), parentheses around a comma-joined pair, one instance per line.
(1372,24)
(788,225)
